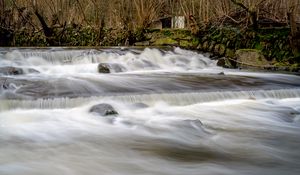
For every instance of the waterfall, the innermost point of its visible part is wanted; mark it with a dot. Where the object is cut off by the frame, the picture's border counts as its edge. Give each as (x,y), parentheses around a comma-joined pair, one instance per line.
(186,98)
(147,59)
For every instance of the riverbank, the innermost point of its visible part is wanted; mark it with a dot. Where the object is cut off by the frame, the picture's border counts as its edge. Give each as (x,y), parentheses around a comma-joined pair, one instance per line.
(267,48)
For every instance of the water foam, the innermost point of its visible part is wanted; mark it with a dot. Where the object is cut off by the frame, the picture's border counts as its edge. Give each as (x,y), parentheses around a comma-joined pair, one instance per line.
(171,98)
(58,61)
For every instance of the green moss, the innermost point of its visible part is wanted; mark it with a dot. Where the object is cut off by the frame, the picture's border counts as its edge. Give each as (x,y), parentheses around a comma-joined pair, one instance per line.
(230,53)
(185,44)
(222,49)
(165,41)
(167,33)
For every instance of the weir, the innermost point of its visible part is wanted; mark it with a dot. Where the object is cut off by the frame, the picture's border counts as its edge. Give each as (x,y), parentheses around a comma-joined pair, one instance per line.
(187,98)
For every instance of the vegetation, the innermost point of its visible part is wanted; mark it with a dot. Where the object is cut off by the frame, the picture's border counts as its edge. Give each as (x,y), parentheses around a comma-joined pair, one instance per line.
(124,22)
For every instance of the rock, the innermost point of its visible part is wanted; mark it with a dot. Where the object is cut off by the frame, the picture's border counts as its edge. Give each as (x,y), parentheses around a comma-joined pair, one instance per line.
(211,46)
(139,105)
(229,53)
(103,110)
(205,46)
(16,70)
(110,67)
(199,47)
(216,49)
(186,44)
(224,62)
(221,73)
(207,55)
(222,50)
(103,68)
(250,58)
(165,42)
(142,43)
(11,71)
(214,57)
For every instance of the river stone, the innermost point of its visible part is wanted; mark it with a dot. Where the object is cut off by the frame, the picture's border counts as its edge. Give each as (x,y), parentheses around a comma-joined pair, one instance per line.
(139,105)
(103,110)
(250,58)
(16,70)
(103,68)
(224,62)
(11,71)
(110,67)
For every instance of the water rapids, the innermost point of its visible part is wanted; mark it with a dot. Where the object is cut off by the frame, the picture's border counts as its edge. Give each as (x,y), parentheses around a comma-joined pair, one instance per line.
(178,113)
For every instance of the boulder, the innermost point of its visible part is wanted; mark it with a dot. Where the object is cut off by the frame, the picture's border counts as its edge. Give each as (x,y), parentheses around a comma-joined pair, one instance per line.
(250,58)
(103,110)
(103,68)
(110,67)
(225,62)
(9,70)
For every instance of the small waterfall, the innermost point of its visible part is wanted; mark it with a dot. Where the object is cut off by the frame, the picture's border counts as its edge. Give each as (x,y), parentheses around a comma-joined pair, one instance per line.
(171,98)
(64,56)
(147,59)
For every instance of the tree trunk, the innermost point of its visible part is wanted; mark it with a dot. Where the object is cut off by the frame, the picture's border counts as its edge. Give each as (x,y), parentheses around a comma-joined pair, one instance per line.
(251,11)
(253,19)
(295,34)
(2,8)
(48,32)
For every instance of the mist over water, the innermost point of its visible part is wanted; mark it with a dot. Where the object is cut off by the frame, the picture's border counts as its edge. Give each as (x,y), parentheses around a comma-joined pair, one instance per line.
(176,115)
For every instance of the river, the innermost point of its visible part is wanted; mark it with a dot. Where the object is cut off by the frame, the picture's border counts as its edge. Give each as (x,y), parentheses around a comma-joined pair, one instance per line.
(178,114)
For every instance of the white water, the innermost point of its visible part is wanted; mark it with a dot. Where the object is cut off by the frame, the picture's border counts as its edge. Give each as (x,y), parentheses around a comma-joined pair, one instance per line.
(193,123)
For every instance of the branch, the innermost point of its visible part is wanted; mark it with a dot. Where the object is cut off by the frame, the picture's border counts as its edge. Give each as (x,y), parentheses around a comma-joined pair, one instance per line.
(239,3)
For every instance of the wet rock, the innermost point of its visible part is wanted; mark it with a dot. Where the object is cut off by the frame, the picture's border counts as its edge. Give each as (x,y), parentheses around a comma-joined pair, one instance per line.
(221,73)
(110,67)
(103,68)
(214,57)
(192,126)
(16,70)
(140,105)
(103,110)
(224,62)
(11,71)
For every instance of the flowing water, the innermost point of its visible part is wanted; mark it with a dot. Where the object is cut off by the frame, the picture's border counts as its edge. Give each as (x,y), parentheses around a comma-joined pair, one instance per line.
(178,114)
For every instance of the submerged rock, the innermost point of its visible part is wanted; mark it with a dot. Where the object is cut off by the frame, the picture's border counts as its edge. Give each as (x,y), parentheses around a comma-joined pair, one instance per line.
(16,70)
(110,67)
(103,110)
(139,105)
(221,73)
